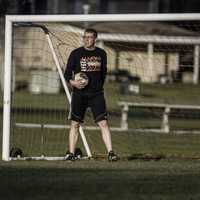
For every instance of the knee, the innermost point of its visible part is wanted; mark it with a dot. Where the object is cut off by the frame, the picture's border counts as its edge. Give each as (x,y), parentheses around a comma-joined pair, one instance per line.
(75,125)
(103,124)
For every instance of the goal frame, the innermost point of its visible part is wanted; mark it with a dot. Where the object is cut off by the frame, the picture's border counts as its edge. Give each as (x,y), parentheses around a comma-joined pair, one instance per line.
(10,19)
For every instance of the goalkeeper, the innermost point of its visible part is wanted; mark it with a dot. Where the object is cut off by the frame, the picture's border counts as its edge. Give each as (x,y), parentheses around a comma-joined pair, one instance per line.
(91,61)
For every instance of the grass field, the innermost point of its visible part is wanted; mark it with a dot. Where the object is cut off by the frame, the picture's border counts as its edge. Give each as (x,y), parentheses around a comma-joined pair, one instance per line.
(169,93)
(85,180)
(52,109)
(175,177)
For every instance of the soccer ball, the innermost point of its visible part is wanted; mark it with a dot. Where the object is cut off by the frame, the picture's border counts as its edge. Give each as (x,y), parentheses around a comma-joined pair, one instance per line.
(82,77)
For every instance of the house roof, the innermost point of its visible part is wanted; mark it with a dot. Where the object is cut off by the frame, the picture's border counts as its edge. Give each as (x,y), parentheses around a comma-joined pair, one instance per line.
(144,28)
(143,32)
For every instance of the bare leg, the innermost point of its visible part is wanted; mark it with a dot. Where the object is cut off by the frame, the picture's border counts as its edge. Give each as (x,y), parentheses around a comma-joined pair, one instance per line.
(73,136)
(105,131)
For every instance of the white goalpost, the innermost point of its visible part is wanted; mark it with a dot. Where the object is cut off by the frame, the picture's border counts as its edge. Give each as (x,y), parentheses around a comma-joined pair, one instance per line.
(6,127)
(122,56)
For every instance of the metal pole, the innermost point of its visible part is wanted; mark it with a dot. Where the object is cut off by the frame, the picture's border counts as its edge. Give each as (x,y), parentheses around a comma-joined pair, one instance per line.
(196,65)
(105,17)
(150,62)
(7,92)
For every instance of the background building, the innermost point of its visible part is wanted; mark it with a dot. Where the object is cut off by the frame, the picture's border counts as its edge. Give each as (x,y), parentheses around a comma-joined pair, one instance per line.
(103,6)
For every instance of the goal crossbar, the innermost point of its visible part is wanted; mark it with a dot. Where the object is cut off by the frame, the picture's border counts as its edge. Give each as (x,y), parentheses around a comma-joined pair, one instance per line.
(103,17)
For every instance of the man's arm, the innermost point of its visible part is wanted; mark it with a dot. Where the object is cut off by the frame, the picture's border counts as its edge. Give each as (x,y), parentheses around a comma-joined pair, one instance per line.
(104,66)
(70,67)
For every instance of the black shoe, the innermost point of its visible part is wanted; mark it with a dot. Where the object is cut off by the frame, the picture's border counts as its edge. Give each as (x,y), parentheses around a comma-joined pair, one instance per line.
(69,157)
(112,157)
(78,153)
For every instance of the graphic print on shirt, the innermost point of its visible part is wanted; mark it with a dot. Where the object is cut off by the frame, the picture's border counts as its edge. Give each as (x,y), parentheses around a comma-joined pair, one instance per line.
(92,63)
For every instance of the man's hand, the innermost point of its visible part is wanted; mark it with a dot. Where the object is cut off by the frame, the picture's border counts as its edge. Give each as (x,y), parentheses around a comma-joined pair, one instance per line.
(77,84)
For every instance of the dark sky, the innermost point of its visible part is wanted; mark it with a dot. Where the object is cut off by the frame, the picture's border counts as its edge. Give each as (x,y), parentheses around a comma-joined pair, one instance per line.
(101,6)
(185,6)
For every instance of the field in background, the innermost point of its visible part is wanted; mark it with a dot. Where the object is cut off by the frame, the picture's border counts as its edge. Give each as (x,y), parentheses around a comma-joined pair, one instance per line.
(169,93)
(52,109)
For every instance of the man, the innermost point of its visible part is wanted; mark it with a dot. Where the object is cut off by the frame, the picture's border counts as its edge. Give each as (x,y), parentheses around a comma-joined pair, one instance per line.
(92,61)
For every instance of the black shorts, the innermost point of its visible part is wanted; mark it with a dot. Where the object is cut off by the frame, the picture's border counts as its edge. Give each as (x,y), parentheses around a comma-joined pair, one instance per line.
(80,103)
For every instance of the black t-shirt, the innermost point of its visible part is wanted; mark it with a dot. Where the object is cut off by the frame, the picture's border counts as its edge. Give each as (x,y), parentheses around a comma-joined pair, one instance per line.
(91,62)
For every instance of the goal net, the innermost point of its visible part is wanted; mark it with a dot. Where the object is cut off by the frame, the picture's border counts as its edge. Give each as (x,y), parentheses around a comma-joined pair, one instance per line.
(151,88)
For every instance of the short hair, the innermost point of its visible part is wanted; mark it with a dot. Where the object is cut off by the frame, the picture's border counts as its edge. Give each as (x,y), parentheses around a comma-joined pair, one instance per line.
(91,30)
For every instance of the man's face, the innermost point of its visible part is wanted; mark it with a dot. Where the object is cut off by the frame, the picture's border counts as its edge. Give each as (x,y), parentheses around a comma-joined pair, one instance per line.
(89,40)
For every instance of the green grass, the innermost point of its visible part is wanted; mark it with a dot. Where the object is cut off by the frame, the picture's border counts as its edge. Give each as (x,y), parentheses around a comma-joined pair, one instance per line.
(52,109)
(37,142)
(176,177)
(170,93)
(58,106)
(88,180)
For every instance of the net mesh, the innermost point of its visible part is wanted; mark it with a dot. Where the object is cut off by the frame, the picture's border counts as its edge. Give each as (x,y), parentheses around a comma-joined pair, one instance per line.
(148,62)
